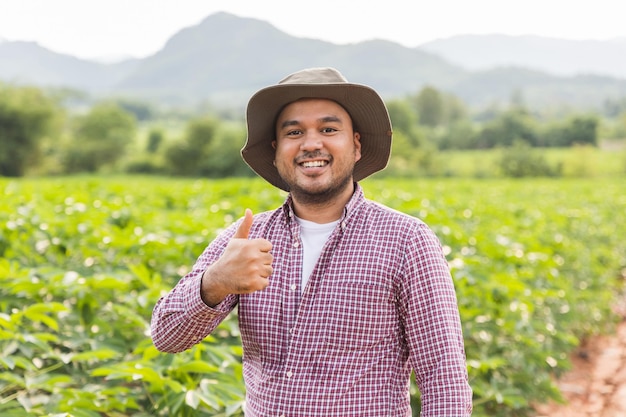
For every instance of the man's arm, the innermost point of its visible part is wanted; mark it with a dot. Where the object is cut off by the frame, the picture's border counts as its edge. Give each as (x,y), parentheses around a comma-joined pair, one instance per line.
(231,265)
(433,329)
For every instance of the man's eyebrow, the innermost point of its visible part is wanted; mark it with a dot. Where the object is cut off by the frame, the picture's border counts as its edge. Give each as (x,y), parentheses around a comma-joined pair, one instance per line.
(325,119)
(331,119)
(288,123)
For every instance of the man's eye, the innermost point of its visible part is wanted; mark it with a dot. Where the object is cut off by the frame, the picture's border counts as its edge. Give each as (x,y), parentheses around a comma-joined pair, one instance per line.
(329,130)
(294,132)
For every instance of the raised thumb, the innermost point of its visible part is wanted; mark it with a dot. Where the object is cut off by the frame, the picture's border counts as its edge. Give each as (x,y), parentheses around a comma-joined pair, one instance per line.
(244,228)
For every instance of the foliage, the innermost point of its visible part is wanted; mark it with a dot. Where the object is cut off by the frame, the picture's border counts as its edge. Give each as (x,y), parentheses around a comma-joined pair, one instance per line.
(578,161)
(224,158)
(155,138)
(405,122)
(521,160)
(100,138)
(435,108)
(508,127)
(577,130)
(429,105)
(25,117)
(106,138)
(83,261)
(208,149)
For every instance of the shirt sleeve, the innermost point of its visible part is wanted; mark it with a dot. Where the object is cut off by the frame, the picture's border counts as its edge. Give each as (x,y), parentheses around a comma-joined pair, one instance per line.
(433,329)
(180,318)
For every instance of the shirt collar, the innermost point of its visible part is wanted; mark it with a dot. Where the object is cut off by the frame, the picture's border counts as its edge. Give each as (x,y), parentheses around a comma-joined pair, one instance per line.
(357,199)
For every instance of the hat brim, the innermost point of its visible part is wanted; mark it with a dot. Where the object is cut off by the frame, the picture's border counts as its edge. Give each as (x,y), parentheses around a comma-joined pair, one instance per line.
(363,104)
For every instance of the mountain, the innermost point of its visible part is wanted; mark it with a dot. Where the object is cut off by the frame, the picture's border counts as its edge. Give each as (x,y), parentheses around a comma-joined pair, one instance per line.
(29,63)
(555,56)
(225,58)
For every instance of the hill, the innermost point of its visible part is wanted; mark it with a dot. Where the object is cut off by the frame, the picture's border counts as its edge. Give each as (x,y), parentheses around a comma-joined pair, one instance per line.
(555,56)
(225,58)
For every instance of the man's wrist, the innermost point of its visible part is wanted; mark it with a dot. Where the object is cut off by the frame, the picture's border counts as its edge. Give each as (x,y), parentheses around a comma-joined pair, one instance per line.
(209,292)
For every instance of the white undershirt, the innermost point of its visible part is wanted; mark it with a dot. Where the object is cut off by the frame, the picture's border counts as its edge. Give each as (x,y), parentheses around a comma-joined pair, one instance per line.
(314,236)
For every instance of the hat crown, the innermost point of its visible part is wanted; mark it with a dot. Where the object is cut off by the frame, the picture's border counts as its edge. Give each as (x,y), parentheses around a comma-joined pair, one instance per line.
(315,76)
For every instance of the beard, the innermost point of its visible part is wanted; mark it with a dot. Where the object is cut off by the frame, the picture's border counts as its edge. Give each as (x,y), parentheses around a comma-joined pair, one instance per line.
(319,194)
(322,196)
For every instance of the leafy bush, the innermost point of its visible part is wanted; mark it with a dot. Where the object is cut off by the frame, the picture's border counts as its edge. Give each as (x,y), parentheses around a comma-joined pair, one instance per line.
(83,260)
(100,138)
(521,160)
(577,130)
(26,115)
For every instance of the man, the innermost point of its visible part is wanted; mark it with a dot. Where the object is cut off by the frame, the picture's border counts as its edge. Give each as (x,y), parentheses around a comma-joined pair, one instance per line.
(339,298)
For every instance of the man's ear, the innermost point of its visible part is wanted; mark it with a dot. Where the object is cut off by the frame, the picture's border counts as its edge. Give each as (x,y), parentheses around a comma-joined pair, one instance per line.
(274,146)
(357,146)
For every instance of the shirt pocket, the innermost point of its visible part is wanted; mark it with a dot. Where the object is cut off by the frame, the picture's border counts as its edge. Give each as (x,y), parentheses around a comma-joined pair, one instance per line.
(360,315)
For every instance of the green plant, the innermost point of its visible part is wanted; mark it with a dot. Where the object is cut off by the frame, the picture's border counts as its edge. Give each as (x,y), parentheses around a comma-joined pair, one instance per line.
(84,260)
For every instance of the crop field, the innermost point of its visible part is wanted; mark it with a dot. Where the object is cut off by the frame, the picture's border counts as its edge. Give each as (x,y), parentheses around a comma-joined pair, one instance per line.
(538,265)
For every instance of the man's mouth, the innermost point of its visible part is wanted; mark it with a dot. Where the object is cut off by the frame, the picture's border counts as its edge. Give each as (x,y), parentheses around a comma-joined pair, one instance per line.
(314,164)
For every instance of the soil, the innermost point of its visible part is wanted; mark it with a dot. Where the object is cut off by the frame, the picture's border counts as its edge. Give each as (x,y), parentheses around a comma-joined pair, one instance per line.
(596,384)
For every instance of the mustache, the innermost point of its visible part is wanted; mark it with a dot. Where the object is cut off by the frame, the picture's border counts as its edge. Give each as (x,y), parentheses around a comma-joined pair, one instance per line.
(313,155)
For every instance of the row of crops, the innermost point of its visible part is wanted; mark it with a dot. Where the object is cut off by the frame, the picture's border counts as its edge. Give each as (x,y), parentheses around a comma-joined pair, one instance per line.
(538,265)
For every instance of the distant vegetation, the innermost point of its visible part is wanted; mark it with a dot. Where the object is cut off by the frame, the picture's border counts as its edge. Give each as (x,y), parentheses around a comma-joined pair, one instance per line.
(41,135)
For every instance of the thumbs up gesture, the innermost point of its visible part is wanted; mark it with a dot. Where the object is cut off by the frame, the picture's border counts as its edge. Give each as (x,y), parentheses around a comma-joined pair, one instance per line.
(244,267)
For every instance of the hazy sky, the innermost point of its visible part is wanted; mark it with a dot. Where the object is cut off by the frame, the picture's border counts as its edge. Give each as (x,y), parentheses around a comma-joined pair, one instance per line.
(99,28)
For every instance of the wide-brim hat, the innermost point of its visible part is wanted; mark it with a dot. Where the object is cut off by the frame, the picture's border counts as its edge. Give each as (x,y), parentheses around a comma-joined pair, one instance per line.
(366,108)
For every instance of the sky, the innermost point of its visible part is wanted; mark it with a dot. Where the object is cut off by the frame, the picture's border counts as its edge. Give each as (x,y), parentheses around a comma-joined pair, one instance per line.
(110,29)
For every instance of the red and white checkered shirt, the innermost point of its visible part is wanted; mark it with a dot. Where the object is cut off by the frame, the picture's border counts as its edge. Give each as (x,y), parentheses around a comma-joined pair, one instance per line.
(379,303)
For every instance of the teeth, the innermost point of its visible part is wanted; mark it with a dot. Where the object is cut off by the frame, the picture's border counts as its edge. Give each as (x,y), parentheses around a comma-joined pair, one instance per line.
(311,164)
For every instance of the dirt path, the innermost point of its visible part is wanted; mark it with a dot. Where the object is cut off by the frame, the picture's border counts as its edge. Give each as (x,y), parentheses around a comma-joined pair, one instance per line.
(596,385)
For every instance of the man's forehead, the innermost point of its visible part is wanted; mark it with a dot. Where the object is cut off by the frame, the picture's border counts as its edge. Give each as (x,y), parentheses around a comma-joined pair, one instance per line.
(306,107)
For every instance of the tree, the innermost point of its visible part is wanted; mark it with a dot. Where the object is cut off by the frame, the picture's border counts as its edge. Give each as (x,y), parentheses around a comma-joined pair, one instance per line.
(25,118)
(188,156)
(506,129)
(224,158)
(521,160)
(100,138)
(405,120)
(155,138)
(430,107)
(577,130)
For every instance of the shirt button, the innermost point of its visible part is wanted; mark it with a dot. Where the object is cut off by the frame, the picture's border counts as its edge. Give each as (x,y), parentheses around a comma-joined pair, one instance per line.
(293,287)
(296,244)
(289,374)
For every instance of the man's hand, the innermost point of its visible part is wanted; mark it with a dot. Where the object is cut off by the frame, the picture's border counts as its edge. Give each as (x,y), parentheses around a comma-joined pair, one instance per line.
(243,268)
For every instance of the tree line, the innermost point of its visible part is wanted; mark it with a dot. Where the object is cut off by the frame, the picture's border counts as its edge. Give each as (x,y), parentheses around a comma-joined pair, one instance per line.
(42,136)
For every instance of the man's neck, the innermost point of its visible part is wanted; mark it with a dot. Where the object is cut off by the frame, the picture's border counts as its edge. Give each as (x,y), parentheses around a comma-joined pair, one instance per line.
(325,212)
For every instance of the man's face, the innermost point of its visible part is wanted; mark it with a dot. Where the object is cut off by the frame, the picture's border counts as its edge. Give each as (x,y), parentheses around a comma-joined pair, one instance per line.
(316,149)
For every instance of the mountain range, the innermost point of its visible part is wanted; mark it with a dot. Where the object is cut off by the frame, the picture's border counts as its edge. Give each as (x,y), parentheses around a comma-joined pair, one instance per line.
(225,58)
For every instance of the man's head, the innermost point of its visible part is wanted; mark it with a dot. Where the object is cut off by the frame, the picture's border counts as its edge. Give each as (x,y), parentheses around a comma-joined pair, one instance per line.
(363,106)
(316,150)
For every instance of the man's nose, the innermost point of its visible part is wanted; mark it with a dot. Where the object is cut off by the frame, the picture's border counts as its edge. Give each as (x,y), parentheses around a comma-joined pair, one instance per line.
(311,141)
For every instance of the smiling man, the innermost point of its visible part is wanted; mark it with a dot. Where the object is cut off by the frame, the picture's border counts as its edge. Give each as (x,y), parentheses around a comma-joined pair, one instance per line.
(339,298)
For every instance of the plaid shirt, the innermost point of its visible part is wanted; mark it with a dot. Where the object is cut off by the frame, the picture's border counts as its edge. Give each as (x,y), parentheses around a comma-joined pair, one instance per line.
(379,303)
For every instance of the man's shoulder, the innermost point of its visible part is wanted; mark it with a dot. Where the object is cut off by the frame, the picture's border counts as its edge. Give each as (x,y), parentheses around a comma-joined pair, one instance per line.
(382,211)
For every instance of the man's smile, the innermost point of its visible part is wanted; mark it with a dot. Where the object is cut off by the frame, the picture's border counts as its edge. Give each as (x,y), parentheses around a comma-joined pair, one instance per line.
(314,164)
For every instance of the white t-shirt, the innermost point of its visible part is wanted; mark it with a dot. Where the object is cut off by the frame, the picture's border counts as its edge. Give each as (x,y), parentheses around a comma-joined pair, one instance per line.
(314,236)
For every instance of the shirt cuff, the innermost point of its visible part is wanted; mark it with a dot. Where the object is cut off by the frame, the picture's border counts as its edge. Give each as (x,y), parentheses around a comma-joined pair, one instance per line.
(194,304)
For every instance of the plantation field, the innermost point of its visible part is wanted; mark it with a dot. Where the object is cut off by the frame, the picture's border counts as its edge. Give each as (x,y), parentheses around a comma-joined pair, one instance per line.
(537,265)
(574,162)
